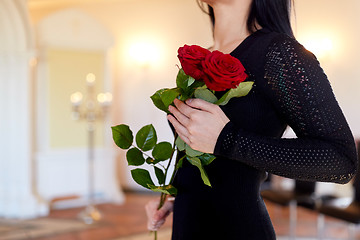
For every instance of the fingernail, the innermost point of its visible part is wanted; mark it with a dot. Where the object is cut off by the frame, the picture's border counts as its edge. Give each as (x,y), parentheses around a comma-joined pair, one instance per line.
(189,100)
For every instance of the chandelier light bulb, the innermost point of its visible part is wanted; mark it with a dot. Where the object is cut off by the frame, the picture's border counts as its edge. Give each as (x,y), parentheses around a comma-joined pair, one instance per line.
(101,98)
(90,78)
(76,98)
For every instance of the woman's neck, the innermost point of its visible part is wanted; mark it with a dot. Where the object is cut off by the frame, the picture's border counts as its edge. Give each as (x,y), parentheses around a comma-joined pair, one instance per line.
(230,24)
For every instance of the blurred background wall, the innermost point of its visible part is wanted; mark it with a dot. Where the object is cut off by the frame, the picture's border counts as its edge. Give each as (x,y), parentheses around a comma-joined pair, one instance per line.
(131,46)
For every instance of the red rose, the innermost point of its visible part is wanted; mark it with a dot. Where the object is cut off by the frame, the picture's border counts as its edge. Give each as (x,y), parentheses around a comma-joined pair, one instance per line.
(223,71)
(191,58)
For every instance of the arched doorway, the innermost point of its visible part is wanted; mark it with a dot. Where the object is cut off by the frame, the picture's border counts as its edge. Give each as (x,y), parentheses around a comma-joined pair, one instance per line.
(71,44)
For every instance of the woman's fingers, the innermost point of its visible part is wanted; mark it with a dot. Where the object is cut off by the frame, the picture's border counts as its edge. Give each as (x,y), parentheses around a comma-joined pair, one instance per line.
(179,128)
(180,119)
(156,218)
(183,119)
(183,108)
(201,104)
(164,211)
(208,107)
(198,123)
(155,226)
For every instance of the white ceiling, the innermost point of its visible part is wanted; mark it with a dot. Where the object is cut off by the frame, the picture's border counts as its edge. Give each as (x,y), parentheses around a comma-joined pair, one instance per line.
(56,3)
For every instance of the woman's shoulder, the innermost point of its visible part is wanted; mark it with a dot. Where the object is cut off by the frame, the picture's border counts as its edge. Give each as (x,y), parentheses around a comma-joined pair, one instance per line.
(265,37)
(272,51)
(263,43)
(283,45)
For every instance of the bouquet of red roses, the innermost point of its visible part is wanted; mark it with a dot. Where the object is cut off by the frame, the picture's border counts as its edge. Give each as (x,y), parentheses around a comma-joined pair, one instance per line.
(203,72)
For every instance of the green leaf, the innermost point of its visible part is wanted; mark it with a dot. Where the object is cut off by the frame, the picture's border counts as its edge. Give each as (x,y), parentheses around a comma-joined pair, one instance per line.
(122,135)
(159,175)
(184,96)
(168,189)
(135,157)
(197,84)
(197,163)
(164,97)
(180,144)
(187,85)
(191,80)
(224,99)
(191,152)
(156,98)
(168,96)
(182,79)
(242,90)
(180,163)
(150,160)
(188,92)
(206,94)
(162,151)
(142,177)
(206,159)
(146,138)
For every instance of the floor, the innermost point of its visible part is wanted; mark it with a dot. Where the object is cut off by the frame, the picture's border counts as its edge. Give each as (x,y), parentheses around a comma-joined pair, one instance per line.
(128,222)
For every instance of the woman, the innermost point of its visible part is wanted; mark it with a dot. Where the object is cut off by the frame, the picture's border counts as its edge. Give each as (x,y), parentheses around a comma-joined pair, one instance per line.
(245,135)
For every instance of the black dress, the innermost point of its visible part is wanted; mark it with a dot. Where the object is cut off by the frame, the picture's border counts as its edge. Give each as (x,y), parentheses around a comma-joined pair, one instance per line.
(292,90)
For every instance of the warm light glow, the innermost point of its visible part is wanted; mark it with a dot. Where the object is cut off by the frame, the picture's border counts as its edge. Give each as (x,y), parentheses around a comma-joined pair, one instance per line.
(144,53)
(90,78)
(321,47)
(101,97)
(108,96)
(104,98)
(76,98)
(33,62)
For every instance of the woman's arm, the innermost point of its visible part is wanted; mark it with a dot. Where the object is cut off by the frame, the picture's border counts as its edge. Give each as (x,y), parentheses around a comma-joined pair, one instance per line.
(302,95)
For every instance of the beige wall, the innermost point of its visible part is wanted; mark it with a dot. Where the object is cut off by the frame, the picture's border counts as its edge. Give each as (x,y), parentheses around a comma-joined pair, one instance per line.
(67,72)
(340,21)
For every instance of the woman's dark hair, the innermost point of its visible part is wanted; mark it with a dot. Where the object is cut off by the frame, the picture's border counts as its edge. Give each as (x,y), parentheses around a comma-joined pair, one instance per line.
(271,14)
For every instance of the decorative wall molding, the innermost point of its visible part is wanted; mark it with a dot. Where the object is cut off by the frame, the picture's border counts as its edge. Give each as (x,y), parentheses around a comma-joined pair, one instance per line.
(73,28)
(64,173)
(18,197)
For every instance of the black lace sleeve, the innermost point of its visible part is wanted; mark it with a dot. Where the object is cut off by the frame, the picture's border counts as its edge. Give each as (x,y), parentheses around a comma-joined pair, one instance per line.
(324,149)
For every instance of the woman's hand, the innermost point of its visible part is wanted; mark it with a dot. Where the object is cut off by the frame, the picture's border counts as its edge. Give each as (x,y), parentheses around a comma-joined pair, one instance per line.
(198,123)
(156,218)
